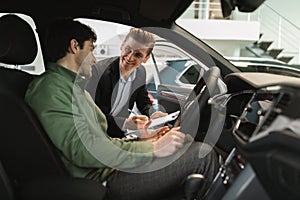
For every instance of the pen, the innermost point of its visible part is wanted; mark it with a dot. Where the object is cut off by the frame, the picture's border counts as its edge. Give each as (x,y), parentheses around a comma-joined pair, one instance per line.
(131,111)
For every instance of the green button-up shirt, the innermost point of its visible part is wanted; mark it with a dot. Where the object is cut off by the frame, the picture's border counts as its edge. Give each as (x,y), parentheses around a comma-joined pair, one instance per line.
(77,127)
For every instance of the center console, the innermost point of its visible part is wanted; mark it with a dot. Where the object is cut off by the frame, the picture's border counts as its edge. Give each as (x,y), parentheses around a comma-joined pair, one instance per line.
(265,163)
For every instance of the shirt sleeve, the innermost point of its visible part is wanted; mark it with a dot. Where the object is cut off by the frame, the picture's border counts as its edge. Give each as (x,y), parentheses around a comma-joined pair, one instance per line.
(78,130)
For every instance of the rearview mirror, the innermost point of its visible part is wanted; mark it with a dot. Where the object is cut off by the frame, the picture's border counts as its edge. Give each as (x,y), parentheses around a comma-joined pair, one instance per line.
(242,5)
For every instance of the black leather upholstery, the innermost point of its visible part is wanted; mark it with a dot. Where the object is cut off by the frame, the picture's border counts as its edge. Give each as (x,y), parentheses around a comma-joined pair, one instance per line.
(17,41)
(6,189)
(30,160)
(25,149)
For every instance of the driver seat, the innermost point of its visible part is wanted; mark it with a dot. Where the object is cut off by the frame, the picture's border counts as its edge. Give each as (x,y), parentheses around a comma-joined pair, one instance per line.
(30,165)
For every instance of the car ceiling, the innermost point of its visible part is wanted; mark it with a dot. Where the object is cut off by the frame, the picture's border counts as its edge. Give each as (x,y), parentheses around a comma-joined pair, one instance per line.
(138,13)
(131,12)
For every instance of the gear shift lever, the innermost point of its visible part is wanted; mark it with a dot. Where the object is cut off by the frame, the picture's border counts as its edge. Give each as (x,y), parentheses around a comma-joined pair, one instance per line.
(192,185)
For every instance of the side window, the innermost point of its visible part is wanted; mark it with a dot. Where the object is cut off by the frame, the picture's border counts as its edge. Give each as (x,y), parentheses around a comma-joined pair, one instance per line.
(37,66)
(174,66)
(172,62)
(168,64)
(191,75)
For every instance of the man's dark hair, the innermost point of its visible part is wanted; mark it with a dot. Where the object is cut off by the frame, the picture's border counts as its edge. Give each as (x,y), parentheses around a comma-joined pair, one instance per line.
(61,32)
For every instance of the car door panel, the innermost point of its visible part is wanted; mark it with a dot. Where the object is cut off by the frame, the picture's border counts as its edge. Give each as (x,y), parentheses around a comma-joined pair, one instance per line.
(171,98)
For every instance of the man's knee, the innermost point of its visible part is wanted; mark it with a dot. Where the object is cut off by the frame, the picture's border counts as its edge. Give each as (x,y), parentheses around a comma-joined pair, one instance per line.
(203,150)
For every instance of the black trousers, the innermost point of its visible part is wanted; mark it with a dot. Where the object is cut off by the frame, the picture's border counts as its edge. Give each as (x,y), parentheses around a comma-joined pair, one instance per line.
(167,180)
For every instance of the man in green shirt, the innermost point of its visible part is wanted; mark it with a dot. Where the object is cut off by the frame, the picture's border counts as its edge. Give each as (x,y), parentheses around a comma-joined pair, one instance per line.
(145,169)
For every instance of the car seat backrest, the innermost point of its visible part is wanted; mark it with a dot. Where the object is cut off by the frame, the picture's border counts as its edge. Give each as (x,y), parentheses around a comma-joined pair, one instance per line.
(6,189)
(26,151)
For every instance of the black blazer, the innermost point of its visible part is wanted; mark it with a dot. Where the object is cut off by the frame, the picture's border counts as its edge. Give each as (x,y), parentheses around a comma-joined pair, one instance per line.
(103,87)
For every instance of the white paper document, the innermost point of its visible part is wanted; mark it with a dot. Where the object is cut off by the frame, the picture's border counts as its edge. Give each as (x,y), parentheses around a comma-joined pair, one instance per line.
(162,120)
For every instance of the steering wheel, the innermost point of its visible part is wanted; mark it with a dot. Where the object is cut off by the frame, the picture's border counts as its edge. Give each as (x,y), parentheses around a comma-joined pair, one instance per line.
(196,105)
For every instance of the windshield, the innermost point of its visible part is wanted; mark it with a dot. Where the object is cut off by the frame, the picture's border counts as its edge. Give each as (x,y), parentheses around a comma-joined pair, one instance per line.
(252,42)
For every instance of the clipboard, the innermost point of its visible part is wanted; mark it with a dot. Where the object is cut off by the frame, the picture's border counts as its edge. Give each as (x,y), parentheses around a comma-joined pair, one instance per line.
(158,122)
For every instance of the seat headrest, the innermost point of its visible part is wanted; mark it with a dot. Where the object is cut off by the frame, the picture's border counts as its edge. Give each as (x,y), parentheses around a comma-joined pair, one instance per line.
(18,45)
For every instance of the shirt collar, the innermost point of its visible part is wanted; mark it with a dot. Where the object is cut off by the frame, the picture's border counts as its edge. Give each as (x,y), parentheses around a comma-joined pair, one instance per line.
(68,74)
(131,77)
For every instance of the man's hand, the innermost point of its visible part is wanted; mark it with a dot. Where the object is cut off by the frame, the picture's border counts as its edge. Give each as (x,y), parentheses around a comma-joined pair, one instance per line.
(169,143)
(136,122)
(158,114)
(153,135)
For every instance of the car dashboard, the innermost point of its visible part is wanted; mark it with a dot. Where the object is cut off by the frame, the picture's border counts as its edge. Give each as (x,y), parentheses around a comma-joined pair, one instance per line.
(264,162)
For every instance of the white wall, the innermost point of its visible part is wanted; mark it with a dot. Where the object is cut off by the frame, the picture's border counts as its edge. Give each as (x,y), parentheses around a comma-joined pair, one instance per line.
(287,8)
(226,36)
(109,37)
(222,29)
